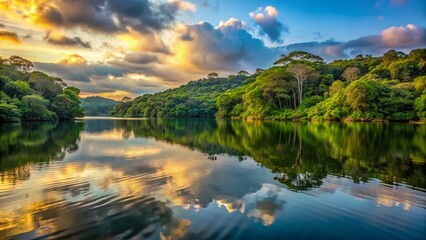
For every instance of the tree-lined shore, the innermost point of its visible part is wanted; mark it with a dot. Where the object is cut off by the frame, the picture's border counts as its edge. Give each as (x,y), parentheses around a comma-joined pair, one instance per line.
(27,95)
(300,86)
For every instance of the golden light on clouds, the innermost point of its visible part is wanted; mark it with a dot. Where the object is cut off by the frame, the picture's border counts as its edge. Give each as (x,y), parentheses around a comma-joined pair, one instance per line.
(132,152)
(150,42)
(10,37)
(116,95)
(73,59)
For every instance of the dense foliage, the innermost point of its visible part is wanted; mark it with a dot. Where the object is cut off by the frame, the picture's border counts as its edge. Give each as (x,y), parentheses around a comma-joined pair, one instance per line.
(301,86)
(197,99)
(97,106)
(391,87)
(34,96)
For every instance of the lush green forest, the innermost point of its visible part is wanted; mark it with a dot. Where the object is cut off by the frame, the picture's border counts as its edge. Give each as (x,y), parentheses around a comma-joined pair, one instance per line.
(197,99)
(97,106)
(301,86)
(27,95)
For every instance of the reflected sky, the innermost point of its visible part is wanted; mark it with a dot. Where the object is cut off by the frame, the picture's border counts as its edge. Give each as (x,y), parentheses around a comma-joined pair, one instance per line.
(118,183)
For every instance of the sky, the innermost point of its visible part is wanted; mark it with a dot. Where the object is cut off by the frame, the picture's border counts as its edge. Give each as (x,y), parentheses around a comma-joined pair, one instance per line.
(118,48)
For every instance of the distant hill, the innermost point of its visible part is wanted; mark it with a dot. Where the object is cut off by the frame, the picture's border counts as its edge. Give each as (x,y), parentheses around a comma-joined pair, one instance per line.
(97,106)
(197,99)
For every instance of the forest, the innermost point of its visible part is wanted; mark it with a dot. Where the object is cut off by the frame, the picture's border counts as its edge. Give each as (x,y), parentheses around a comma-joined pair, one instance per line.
(300,86)
(27,95)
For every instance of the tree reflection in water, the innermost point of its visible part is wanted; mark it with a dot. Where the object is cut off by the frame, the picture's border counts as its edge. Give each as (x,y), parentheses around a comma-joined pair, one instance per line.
(108,178)
(302,154)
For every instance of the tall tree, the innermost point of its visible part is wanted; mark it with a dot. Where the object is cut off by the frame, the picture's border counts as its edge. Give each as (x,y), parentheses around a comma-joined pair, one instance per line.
(212,75)
(244,73)
(301,72)
(20,63)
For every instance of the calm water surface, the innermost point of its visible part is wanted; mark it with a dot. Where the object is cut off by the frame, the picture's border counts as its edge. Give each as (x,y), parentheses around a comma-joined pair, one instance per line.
(211,179)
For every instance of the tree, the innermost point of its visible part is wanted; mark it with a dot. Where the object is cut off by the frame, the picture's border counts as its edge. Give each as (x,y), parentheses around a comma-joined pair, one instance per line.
(212,75)
(67,106)
(298,56)
(9,111)
(20,63)
(351,74)
(420,84)
(259,70)
(17,88)
(243,73)
(36,109)
(420,106)
(32,96)
(404,70)
(392,56)
(126,99)
(47,86)
(301,72)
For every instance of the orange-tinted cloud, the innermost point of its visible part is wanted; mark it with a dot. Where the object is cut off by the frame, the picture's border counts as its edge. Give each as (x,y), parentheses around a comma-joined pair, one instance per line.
(107,16)
(9,37)
(147,42)
(115,95)
(73,59)
(62,40)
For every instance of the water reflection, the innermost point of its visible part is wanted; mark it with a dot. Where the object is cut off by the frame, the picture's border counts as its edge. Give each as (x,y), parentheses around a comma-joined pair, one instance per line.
(21,144)
(302,154)
(208,179)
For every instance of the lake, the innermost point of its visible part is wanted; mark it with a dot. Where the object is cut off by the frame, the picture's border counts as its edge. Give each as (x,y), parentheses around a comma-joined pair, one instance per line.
(212,179)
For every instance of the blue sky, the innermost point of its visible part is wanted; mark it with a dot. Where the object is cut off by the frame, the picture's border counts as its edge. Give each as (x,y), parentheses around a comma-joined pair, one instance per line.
(342,20)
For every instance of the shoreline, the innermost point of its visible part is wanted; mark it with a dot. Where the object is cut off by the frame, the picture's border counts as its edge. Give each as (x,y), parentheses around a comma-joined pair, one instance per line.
(384,121)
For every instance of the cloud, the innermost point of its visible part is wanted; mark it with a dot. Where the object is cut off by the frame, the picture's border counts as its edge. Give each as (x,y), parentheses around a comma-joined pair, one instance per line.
(150,42)
(106,16)
(207,4)
(9,37)
(2,25)
(396,37)
(62,40)
(132,74)
(73,59)
(269,24)
(184,5)
(75,68)
(329,49)
(403,36)
(141,58)
(201,47)
(27,36)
